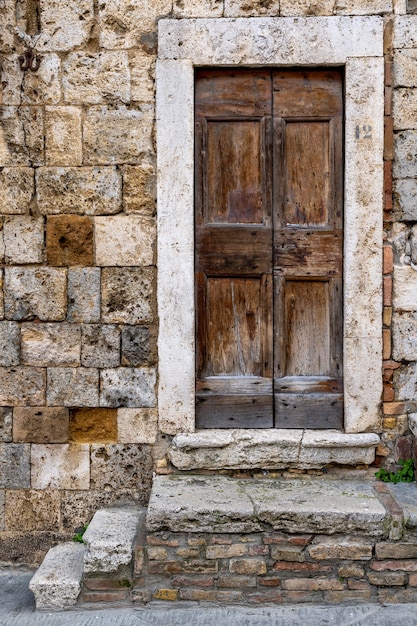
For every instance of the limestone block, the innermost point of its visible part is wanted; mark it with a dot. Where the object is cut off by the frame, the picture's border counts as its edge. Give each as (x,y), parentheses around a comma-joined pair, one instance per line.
(198,8)
(69,240)
(21,136)
(122,22)
(1,293)
(9,344)
(51,345)
(138,345)
(405,72)
(93,425)
(84,294)
(78,507)
(405,108)
(40,424)
(142,77)
(139,188)
(405,146)
(72,386)
(6,422)
(43,86)
(35,293)
(11,80)
(23,239)
(405,288)
(1,241)
(137,425)
(405,31)
(126,240)
(127,295)
(29,510)
(404,336)
(22,386)
(405,381)
(405,199)
(79,190)
(14,466)
(121,466)
(100,346)
(65,25)
(358,7)
(307,7)
(63,135)
(363,385)
(60,466)
(130,387)
(255,8)
(117,135)
(2,499)
(16,189)
(401,245)
(8,21)
(320,448)
(95,78)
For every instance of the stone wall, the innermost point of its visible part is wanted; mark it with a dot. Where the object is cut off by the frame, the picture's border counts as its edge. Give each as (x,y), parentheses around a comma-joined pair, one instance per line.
(78,330)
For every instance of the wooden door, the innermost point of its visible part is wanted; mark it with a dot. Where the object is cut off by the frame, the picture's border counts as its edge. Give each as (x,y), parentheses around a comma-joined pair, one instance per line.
(268,249)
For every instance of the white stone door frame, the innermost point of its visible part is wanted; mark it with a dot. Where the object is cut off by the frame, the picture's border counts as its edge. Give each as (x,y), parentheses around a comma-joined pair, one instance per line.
(357,44)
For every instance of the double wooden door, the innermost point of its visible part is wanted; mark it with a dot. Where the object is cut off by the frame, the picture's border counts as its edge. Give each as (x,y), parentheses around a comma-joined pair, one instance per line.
(269,238)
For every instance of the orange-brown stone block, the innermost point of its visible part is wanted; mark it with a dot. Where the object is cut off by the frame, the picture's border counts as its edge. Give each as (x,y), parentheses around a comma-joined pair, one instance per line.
(93,425)
(69,240)
(40,424)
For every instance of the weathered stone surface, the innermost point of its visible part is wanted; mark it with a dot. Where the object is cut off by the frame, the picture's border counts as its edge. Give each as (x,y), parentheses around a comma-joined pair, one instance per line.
(64,26)
(406,495)
(93,425)
(21,136)
(139,188)
(288,553)
(142,67)
(63,135)
(35,293)
(22,386)
(28,510)
(60,466)
(100,345)
(2,512)
(256,8)
(405,74)
(40,425)
(8,17)
(405,199)
(127,295)
(23,239)
(405,31)
(387,579)
(350,548)
(16,189)
(126,240)
(405,164)
(14,466)
(320,448)
(1,293)
(69,386)
(84,294)
(6,422)
(247,566)
(198,8)
(109,539)
(358,7)
(27,549)
(78,507)
(42,87)
(130,387)
(137,425)
(138,345)
(69,240)
(9,344)
(404,329)
(51,345)
(395,550)
(405,108)
(121,23)
(405,286)
(121,466)
(95,78)
(79,190)
(57,583)
(363,384)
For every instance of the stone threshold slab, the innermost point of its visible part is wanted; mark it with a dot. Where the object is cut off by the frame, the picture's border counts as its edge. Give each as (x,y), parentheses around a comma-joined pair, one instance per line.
(196,503)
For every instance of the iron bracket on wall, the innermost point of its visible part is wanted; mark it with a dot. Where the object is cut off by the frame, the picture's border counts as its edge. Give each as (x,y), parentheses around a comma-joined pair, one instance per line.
(30,61)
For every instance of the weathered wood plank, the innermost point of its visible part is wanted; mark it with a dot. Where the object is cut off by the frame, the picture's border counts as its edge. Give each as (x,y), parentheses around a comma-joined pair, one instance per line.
(234,411)
(315,410)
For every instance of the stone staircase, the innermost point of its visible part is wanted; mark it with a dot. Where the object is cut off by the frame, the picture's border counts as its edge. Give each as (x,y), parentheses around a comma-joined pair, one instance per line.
(231,540)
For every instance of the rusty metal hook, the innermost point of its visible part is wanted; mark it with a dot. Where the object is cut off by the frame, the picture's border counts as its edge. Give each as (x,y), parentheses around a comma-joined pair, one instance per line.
(30,61)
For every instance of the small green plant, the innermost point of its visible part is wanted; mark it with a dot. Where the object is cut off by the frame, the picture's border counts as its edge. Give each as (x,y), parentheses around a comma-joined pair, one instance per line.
(404,475)
(79,534)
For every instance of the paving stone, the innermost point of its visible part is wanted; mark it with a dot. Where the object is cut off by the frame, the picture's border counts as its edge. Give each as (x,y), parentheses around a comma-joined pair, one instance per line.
(130,387)
(63,135)
(127,295)
(72,386)
(6,423)
(64,26)
(84,294)
(22,386)
(137,425)
(122,466)
(23,240)
(9,344)
(35,293)
(93,425)
(14,466)
(40,424)
(139,188)
(138,345)
(100,345)
(60,466)
(69,240)
(95,78)
(51,345)
(29,510)
(16,189)
(22,140)
(126,240)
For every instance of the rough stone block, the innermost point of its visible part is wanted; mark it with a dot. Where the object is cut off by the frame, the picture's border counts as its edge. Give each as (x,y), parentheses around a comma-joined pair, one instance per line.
(16,189)
(405,164)
(29,510)
(69,240)
(387,579)
(9,344)
(78,507)
(404,334)
(8,20)
(95,78)
(72,387)
(65,26)
(2,503)
(6,422)
(60,466)
(84,295)
(137,425)
(22,386)
(405,31)
(122,23)
(121,466)
(139,189)
(395,550)
(198,8)
(100,345)
(117,135)
(63,135)
(405,108)
(51,345)
(141,77)
(35,293)
(79,190)
(405,288)
(405,73)
(138,345)
(14,466)
(43,87)
(405,382)
(126,240)
(21,138)
(358,7)
(256,8)
(130,387)
(23,240)
(40,425)
(405,199)
(127,295)
(93,425)
(1,293)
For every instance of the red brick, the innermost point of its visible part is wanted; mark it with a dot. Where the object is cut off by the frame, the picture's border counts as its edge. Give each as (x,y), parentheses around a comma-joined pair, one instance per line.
(388,375)
(271,596)
(105,584)
(196,541)
(237,582)
(387,290)
(412,580)
(214,595)
(225,551)
(388,579)
(361,585)
(389,138)
(300,567)
(335,597)
(394,566)
(393,365)
(288,553)
(187,553)
(302,596)
(221,540)
(388,101)
(396,596)
(247,566)
(258,550)
(389,393)
(175,567)
(297,540)
(388,72)
(158,541)
(351,569)
(193,581)
(388,260)
(386,340)
(394,408)
(269,581)
(104,596)
(313,584)
(394,550)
